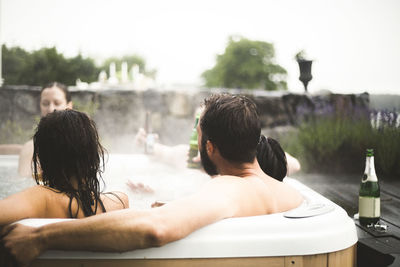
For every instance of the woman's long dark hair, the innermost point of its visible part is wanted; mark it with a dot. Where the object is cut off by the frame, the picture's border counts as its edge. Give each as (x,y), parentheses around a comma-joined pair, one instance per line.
(67,149)
(272,158)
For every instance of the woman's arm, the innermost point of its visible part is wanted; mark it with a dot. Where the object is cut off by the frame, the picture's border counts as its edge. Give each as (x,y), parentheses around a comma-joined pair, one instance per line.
(175,155)
(292,163)
(25,160)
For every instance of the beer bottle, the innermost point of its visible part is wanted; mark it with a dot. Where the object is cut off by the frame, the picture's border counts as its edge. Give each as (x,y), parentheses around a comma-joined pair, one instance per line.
(150,137)
(194,147)
(369,205)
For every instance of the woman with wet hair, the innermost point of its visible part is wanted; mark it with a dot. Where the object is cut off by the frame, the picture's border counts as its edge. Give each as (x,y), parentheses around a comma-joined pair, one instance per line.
(67,162)
(53,96)
(273,160)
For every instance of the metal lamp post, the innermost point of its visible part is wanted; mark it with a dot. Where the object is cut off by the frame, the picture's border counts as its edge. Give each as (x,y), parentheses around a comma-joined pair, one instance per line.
(305,71)
(1,48)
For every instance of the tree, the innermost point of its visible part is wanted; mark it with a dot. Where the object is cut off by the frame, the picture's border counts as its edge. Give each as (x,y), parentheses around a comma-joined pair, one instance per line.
(45,65)
(14,61)
(82,68)
(246,64)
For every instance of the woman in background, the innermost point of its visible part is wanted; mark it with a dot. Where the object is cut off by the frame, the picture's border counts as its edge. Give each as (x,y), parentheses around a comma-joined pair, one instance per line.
(68,160)
(54,96)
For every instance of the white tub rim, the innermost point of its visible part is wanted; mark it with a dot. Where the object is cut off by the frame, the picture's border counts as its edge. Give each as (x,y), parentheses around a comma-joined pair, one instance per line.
(255,236)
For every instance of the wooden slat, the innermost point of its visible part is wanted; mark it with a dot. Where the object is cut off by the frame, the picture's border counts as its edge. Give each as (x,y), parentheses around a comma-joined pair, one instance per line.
(294,261)
(217,262)
(343,258)
(316,260)
(343,190)
(391,187)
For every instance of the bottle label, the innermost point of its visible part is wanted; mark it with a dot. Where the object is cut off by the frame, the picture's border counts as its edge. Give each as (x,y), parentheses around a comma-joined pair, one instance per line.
(369,207)
(369,173)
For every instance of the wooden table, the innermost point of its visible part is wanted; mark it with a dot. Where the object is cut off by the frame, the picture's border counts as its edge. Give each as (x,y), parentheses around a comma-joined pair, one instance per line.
(374,248)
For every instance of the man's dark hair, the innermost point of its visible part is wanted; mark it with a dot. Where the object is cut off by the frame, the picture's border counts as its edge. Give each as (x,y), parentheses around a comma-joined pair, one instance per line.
(66,146)
(231,123)
(61,86)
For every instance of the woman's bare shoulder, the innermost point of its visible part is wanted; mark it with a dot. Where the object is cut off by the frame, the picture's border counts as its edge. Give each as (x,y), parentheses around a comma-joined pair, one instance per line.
(115,200)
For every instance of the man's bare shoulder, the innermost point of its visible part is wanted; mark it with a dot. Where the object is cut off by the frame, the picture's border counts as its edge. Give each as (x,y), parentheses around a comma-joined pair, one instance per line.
(226,186)
(232,179)
(224,178)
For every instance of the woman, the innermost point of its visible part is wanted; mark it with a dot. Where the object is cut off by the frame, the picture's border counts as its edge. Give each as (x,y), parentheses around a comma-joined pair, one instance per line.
(67,163)
(273,160)
(54,96)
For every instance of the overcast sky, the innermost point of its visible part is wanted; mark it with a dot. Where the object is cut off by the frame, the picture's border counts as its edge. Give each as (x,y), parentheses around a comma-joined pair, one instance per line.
(355,44)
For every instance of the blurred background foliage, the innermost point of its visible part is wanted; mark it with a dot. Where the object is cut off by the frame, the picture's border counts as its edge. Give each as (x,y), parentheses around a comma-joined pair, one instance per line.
(45,65)
(12,133)
(42,66)
(337,143)
(246,64)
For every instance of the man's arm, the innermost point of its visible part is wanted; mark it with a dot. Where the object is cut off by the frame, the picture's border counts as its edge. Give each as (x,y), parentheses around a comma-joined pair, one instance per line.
(123,230)
(30,203)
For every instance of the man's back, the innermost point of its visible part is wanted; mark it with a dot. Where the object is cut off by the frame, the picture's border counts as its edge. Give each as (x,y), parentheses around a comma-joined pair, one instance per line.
(255,194)
(226,196)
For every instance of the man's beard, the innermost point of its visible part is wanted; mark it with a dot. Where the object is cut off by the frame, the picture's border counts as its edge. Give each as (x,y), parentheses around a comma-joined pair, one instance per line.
(208,165)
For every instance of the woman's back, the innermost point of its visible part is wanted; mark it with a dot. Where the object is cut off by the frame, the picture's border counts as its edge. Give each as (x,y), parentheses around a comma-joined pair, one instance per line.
(58,203)
(68,161)
(45,202)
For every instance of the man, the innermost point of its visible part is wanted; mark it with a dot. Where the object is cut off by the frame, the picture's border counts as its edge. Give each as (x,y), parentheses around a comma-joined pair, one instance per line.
(229,132)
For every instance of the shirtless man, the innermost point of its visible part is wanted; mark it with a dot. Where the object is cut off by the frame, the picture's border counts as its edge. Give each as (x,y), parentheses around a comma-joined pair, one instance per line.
(229,131)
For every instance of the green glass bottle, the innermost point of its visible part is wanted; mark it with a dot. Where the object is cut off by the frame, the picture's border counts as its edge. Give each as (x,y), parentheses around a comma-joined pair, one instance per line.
(194,147)
(369,202)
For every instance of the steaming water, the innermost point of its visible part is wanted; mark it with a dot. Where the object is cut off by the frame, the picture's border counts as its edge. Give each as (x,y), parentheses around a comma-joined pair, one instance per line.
(168,182)
(10,182)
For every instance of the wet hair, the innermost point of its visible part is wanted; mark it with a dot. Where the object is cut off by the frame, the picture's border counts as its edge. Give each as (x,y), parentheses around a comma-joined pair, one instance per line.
(61,86)
(66,146)
(232,124)
(272,158)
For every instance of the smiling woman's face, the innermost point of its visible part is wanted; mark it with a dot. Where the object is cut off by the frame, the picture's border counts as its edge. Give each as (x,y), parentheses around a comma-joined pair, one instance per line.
(53,99)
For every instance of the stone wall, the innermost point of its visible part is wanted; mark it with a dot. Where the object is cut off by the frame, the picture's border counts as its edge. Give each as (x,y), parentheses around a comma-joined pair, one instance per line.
(120,113)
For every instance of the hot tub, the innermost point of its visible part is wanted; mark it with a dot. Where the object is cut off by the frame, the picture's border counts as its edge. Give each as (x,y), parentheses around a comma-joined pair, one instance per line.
(319,233)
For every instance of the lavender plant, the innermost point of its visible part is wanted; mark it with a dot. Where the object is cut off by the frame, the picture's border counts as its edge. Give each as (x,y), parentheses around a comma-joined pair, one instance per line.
(333,139)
